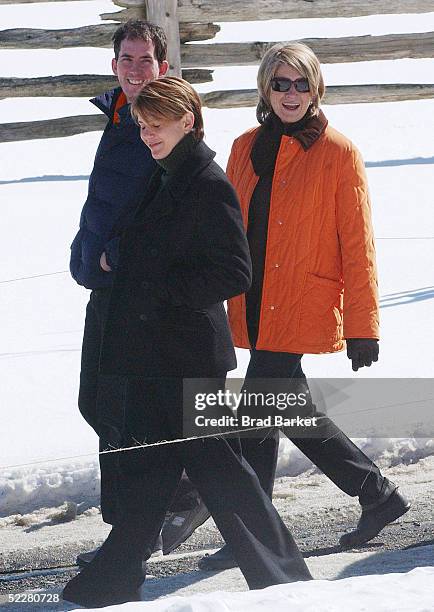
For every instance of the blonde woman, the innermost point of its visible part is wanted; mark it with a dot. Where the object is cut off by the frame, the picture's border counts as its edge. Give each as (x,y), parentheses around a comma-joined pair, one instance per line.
(304,198)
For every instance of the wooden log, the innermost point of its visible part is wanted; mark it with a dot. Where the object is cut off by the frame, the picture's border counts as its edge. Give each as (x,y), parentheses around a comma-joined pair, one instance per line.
(165,14)
(121,16)
(64,85)
(88,36)
(340,94)
(254,10)
(53,128)
(85,85)
(346,94)
(189,32)
(329,50)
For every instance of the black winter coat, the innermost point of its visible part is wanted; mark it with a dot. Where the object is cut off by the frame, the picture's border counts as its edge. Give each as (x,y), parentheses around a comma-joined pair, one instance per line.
(183,255)
(122,169)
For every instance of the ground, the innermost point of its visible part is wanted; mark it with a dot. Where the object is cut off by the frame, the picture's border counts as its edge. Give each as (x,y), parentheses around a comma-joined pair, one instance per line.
(38,551)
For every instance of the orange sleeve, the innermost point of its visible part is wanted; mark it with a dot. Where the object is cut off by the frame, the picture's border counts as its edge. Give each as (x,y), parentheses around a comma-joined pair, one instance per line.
(356,236)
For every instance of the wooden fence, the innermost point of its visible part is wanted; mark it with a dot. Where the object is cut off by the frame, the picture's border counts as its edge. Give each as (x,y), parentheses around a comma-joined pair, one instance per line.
(188,21)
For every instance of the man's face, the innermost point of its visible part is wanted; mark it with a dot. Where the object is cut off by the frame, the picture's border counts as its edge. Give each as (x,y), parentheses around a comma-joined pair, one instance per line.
(136,66)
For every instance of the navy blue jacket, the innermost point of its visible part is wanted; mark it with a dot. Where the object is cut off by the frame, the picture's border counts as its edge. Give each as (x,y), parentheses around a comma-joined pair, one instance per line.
(121,172)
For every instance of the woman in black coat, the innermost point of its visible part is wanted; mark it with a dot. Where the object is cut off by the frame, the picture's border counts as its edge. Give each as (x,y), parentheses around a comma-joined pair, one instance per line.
(183,254)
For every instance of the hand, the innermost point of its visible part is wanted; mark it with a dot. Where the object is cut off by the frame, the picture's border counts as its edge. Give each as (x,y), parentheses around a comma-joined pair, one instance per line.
(103,263)
(362,351)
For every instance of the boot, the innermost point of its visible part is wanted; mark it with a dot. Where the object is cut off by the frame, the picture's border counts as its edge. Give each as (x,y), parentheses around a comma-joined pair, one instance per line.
(389,506)
(115,574)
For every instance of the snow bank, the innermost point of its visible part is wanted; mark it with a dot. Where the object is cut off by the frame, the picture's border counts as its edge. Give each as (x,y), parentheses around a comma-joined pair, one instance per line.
(27,489)
(30,488)
(412,592)
(386,452)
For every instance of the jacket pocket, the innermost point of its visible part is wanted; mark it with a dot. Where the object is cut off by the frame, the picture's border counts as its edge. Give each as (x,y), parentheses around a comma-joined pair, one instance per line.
(321,310)
(188,318)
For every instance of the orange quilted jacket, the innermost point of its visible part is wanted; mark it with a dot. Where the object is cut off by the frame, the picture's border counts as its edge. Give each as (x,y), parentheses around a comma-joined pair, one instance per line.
(320,280)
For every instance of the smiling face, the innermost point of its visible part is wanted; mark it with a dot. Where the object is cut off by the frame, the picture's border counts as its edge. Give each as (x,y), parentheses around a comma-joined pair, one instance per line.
(136,65)
(162,135)
(290,106)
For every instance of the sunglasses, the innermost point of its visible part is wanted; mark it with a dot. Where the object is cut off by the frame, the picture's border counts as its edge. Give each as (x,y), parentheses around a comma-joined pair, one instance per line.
(281,84)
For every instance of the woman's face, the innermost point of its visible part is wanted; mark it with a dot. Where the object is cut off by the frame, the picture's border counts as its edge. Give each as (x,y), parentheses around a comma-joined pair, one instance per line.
(290,106)
(162,135)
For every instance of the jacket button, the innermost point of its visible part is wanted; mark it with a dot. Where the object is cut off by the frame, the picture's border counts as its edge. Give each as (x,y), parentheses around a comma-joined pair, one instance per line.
(154,252)
(277,265)
(143,317)
(280,222)
(272,308)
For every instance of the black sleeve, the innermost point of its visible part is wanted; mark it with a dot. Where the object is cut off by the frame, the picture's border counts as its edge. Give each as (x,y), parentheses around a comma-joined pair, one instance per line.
(221,267)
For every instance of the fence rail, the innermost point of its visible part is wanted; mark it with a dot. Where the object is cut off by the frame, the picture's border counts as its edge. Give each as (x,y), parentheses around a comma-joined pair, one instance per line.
(329,50)
(259,10)
(254,10)
(89,36)
(191,20)
(348,94)
(77,85)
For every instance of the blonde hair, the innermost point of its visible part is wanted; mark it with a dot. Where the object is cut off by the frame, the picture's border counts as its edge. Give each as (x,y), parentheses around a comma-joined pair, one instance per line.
(169,98)
(300,57)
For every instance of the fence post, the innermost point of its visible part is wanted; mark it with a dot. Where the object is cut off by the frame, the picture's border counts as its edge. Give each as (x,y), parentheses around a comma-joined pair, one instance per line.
(165,14)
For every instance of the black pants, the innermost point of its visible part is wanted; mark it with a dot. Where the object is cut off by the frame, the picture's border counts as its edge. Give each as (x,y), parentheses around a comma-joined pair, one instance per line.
(330,450)
(90,386)
(261,544)
(96,391)
(108,392)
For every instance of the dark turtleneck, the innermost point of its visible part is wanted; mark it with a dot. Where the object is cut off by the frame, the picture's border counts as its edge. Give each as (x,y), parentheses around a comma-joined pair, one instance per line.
(263,156)
(178,155)
(266,146)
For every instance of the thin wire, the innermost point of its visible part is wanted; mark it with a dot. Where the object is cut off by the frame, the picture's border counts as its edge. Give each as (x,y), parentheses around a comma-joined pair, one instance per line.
(124,449)
(13,280)
(178,440)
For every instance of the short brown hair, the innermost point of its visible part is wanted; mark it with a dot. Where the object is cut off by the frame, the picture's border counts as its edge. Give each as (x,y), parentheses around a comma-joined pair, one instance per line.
(300,57)
(137,29)
(169,98)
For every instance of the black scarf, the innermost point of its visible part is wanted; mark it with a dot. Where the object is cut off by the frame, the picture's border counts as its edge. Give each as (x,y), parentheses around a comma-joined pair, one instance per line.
(267,142)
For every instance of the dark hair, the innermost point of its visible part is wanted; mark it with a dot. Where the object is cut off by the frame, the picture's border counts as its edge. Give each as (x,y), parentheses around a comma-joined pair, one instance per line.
(134,29)
(169,98)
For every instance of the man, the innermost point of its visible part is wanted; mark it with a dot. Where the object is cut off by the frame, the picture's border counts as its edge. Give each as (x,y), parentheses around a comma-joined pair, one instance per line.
(122,168)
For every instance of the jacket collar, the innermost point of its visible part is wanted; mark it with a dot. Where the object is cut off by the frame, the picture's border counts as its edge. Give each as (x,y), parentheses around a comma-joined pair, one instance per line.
(179,182)
(308,132)
(267,142)
(112,103)
(156,203)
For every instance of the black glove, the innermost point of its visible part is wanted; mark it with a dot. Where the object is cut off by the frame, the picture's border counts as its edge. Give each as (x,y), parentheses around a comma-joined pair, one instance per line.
(362,351)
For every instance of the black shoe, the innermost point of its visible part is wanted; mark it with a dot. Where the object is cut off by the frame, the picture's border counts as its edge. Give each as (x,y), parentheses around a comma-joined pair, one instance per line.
(179,526)
(85,558)
(84,593)
(220,560)
(113,577)
(376,516)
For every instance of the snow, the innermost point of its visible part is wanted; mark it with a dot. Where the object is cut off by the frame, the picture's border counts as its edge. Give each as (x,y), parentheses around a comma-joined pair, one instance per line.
(43,185)
(409,592)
